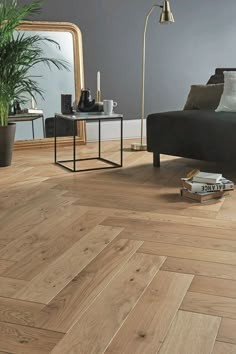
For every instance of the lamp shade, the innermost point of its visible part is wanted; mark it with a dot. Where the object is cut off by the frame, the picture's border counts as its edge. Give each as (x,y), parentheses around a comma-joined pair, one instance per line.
(166,14)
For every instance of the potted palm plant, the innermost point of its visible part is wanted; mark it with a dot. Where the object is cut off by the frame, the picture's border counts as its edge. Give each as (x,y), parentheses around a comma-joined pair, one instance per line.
(18,55)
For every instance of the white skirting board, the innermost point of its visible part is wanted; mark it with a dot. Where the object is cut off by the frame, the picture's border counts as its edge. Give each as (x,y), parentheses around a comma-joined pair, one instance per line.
(111,130)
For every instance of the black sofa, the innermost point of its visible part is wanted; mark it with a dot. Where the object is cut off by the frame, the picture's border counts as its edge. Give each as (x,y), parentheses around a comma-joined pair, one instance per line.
(196,134)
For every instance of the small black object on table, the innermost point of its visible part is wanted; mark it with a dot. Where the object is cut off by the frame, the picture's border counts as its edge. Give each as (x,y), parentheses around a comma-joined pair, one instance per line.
(28,117)
(88,118)
(87,104)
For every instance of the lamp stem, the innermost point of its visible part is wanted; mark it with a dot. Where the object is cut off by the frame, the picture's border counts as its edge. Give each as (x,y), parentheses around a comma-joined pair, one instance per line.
(141,146)
(143,68)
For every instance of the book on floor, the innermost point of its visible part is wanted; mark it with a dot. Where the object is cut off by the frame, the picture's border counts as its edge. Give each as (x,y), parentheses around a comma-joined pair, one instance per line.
(197,187)
(204,196)
(204,186)
(207,177)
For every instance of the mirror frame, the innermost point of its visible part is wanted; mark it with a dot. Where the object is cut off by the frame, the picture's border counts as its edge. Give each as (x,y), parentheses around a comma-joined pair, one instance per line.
(78,75)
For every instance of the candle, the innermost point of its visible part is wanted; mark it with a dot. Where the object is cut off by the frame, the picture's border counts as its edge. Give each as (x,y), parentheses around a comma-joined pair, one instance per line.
(32,103)
(98,81)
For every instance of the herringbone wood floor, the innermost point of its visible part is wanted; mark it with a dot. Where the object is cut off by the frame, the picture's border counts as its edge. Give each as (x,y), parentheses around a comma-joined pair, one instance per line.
(114,261)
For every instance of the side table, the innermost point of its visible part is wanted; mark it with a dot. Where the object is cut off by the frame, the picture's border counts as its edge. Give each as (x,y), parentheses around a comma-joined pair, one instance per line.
(88,118)
(28,117)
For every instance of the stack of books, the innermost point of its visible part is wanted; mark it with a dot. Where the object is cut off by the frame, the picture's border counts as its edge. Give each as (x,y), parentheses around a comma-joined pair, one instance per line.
(32,111)
(204,186)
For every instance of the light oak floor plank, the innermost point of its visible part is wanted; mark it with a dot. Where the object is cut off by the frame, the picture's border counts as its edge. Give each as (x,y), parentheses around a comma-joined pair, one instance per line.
(224,348)
(9,287)
(181,239)
(19,312)
(57,222)
(191,333)
(177,219)
(26,340)
(188,252)
(210,304)
(107,314)
(209,269)
(35,213)
(70,304)
(132,224)
(214,286)
(41,257)
(44,287)
(147,325)
(134,198)
(4,265)
(227,331)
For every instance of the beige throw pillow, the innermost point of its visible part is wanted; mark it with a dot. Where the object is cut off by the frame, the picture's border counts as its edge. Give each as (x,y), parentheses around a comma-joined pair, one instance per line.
(204,97)
(228,99)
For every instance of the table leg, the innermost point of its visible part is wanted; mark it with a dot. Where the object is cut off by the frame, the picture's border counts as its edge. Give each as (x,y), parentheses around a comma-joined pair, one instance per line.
(74,145)
(43,123)
(33,129)
(99,138)
(121,142)
(55,139)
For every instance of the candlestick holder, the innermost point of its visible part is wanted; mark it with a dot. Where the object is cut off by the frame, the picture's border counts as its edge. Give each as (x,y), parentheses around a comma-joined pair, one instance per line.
(98,96)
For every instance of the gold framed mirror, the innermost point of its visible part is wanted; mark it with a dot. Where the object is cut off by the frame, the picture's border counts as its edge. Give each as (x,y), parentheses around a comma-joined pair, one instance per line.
(78,74)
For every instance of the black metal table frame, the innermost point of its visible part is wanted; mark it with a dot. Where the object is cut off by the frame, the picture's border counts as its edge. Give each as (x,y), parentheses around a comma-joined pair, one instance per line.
(99,157)
(30,119)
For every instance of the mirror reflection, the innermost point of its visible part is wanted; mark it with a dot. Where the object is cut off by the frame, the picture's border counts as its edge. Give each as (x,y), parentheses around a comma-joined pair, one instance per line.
(53,82)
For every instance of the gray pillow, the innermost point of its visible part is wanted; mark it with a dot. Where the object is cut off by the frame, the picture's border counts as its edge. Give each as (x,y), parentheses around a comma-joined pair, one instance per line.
(204,97)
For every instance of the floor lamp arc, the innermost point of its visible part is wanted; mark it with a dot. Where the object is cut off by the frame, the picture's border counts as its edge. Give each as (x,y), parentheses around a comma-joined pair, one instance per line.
(166,17)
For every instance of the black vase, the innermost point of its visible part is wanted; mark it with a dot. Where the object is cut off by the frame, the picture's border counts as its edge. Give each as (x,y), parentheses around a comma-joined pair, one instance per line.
(86,103)
(7,137)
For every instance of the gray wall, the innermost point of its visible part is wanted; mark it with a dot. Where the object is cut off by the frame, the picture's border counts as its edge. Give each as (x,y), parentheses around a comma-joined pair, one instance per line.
(178,55)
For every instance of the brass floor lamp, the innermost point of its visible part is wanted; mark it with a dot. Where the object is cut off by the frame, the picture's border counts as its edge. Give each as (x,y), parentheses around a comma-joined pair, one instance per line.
(166,17)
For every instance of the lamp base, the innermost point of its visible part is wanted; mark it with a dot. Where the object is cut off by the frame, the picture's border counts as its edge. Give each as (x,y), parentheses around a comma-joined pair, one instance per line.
(138,147)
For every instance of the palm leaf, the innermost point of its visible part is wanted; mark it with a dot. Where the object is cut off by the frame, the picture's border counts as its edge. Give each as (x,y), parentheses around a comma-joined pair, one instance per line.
(20,53)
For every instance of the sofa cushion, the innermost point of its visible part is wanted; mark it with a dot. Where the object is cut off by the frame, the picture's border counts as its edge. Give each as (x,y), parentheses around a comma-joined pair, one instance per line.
(228,99)
(204,97)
